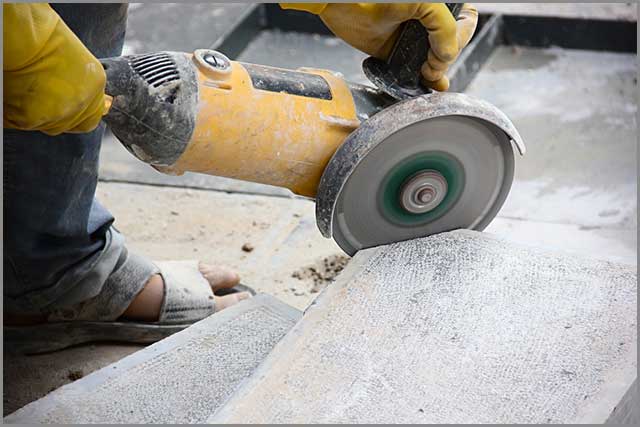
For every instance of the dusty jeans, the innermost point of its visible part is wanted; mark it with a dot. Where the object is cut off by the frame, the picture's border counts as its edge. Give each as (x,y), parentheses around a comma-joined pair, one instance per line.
(61,253)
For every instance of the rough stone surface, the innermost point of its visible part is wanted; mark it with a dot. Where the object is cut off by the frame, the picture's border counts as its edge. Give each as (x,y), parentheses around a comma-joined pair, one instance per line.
(181,379)
(456,328)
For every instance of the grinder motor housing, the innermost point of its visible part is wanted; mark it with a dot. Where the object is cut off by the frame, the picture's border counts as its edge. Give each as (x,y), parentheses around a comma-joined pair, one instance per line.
(203,113)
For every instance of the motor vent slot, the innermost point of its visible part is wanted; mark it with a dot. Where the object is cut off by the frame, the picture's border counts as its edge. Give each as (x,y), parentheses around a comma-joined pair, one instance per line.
(155,68)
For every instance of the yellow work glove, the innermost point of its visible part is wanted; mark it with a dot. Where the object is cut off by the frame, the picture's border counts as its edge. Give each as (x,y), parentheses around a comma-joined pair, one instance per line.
(373,29)
(52,83)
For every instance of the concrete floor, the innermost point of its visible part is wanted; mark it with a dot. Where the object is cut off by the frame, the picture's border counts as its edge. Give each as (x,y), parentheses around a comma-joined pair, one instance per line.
(618,11)
(575,190)
(178,26)
(294,50)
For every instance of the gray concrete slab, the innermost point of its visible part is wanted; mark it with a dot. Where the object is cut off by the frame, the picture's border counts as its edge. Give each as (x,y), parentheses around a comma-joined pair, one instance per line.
(609,11)
(627,411)
(294,50)
(461,327)
(576,111)
(179,26)
(611,244)
(181,379)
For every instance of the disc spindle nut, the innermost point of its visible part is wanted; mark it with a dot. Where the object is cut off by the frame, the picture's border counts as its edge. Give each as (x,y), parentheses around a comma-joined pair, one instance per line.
(423,192)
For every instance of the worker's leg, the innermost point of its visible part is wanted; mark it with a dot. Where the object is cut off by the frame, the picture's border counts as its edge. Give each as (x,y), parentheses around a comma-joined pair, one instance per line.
(59,246)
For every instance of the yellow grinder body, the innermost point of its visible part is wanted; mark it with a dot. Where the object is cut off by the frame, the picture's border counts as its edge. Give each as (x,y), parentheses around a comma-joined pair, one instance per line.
(203,113)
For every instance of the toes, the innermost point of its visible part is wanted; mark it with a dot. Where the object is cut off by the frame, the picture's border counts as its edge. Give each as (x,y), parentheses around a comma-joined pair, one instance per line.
(229,300)
(218,277)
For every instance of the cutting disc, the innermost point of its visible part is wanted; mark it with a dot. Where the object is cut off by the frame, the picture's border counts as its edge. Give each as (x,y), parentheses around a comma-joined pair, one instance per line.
(423,166)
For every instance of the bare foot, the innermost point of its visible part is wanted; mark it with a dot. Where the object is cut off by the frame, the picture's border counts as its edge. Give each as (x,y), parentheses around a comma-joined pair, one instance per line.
(218,277)
(146,306)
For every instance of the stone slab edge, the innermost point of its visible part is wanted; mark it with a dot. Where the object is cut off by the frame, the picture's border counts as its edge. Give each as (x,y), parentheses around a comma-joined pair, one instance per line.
(628,409)
(342,281)
(39,408)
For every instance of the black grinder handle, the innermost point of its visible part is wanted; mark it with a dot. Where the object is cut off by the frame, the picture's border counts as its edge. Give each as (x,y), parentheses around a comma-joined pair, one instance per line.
(411,49)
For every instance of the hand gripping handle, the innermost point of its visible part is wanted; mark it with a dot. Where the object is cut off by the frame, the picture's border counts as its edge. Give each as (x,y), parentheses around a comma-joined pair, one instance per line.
(410,50)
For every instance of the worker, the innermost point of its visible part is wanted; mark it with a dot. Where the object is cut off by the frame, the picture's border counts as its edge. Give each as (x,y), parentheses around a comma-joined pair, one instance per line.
(64,261)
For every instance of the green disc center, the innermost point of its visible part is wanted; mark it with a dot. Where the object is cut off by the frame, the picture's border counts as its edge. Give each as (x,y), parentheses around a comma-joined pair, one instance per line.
(421,188)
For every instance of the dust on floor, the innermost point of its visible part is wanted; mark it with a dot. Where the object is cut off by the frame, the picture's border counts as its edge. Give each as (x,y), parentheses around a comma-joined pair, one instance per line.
(322,272)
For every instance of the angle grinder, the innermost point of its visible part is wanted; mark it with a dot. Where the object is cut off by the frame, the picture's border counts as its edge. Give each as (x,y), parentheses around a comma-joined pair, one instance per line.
(384,164)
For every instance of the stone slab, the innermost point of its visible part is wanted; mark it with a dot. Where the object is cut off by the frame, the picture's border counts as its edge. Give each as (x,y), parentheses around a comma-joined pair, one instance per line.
(181,379)
(628,410)
(609,244)
(460,327)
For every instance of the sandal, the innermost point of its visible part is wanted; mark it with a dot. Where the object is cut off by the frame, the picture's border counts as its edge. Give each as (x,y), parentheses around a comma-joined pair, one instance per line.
(186,300)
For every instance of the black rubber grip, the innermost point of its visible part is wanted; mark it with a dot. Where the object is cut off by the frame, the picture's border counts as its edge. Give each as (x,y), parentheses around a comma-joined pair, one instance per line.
(410,50)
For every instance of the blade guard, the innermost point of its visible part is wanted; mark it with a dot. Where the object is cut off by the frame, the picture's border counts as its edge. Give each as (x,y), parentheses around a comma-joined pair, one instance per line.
(375,130)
